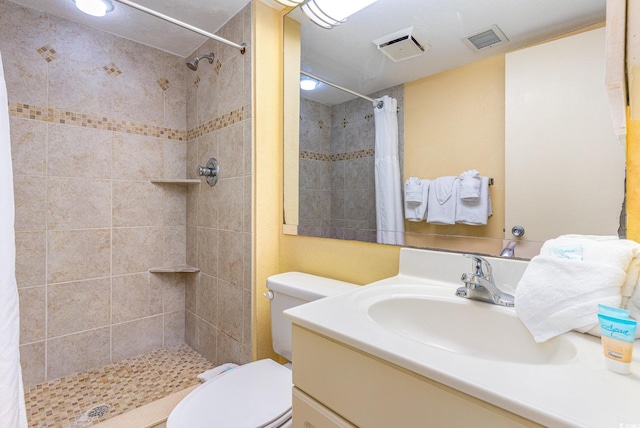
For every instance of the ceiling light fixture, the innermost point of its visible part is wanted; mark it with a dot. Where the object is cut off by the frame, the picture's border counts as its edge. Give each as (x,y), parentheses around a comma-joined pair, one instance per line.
(290,3)
(308,84)
(94,7)
(329,13)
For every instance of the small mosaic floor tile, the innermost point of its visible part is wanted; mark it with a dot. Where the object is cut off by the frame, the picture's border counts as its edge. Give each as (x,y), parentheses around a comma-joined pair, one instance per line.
(85,399)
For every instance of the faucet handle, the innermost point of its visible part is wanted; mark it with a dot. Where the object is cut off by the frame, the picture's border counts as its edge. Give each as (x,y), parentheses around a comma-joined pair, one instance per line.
(481,266)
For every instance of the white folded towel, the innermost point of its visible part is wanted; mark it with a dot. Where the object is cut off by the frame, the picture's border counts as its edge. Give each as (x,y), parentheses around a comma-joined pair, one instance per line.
(470,182)
(443,193)
(557,295)
(417,212)
(475,213)
(413,189)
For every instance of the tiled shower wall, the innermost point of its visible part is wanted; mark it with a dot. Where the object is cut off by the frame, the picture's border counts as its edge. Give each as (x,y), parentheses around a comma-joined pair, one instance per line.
(93,118)
(218,300)
(337,188)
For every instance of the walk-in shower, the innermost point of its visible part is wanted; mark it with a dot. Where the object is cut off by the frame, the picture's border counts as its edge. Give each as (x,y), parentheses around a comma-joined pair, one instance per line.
(193,62)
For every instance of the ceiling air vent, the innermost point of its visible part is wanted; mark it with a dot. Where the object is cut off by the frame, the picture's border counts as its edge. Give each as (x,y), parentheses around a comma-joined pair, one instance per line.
(401,45)
(486,38)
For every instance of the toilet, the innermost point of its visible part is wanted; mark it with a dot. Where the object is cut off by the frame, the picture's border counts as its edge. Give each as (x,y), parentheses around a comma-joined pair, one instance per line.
(257,394)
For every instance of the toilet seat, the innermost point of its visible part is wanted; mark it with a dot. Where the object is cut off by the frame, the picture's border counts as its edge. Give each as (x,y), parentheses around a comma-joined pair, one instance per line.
(254,395)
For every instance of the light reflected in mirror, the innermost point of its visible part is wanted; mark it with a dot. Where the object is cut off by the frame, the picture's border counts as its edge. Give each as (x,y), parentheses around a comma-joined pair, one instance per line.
(458,110)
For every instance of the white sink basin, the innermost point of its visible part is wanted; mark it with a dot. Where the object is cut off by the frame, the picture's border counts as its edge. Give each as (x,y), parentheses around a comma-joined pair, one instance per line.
(455,324)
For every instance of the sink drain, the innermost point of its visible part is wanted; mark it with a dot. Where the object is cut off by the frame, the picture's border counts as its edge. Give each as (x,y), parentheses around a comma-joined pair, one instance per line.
(98,411)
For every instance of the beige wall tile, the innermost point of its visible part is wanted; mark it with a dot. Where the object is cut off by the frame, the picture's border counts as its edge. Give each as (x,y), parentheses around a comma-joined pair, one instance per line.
(207,148)
(206,341)
(135,296)
(230,85)
(192,246)
(207,299)
(175,107)
(78,203)
(173,290)
(175,205)
(137,99)
(32,360)
(231,201)
(208,250)
(77,352)
(231,310)
(78,306)
(230,147)
(136,249)
(246,321)
(247,205)
(28,146)
(25,73)
(247,147)
(210,204)
(74,151)
(31,258)
(192,159)
(175,245)
(190,327)
(81,42)
(192,282)
(74,255)
(32,314)
(175,157)
(22,26)
(30,195)
(81,87)
(136,337)
(193,193)
(246,265)
(192,101)
(229,349)
(174,328)
(136,203)
(137,157)
(230,259)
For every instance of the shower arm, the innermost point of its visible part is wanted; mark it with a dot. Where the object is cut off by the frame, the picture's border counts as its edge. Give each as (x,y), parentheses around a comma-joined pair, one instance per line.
(242,47)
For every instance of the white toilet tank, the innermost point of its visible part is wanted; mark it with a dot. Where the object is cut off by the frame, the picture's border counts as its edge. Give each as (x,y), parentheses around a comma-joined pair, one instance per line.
(292,289)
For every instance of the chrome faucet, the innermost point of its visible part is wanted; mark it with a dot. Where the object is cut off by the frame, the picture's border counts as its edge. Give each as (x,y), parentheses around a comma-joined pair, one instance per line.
(479,285)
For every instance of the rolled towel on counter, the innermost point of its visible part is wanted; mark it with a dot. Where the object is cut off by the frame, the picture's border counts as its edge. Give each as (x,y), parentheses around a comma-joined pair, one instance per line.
(417,211)
(443,193)
(470,182)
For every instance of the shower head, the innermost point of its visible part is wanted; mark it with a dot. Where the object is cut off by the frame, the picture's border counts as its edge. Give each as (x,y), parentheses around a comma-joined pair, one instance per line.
(193,63)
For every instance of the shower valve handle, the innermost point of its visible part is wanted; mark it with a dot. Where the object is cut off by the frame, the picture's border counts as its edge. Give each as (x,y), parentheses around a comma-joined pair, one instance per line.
(210,171)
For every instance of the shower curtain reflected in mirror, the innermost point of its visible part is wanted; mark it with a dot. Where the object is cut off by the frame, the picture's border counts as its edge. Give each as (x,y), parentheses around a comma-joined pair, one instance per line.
(389,209)
(12,407)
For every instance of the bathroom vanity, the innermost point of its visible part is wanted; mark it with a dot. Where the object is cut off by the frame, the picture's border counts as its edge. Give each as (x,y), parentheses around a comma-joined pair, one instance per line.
(407,352)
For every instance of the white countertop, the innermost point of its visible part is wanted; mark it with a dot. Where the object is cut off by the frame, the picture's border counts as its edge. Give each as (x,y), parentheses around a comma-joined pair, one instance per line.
(578,392)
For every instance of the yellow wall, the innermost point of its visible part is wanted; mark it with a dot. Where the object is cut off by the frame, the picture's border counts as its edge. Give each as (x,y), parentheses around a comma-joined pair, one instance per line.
(454,122)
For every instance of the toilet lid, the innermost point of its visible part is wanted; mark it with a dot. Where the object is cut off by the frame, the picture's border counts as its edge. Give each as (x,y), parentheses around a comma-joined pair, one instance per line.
(254,395)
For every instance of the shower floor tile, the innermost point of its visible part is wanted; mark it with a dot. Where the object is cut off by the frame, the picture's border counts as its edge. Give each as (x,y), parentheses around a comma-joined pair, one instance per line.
(84,399)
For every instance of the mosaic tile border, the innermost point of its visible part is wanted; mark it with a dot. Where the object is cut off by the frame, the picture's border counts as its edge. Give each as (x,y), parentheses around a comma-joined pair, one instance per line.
(360,154)
(52,115)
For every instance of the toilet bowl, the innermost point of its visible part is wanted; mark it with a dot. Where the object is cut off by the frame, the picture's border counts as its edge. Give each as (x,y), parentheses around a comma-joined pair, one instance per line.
(257,394)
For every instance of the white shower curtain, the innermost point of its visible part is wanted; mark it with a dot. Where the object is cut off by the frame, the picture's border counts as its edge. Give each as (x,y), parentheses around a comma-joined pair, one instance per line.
(12,408)
(389,214)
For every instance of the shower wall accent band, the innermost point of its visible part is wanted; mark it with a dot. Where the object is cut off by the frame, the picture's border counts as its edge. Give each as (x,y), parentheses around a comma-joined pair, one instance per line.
(389,206)
(12,407)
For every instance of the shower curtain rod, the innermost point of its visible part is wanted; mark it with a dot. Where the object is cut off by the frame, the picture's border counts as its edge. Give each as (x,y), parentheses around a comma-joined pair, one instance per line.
(377,103)
(241,47)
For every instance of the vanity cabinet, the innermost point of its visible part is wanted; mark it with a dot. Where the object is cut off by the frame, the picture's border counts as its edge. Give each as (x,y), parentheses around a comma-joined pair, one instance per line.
(336,385)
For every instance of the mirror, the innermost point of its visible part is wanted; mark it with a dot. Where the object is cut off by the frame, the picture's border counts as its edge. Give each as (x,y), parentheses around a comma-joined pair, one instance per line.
(454,115)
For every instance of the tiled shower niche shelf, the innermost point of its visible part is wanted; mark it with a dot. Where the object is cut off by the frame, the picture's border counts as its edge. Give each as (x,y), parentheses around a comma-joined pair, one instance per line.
(183,181)
(175,269)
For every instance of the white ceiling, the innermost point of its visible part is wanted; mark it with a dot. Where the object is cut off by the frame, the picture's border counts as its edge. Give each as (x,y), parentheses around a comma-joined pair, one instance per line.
(346,55)
(124,21)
